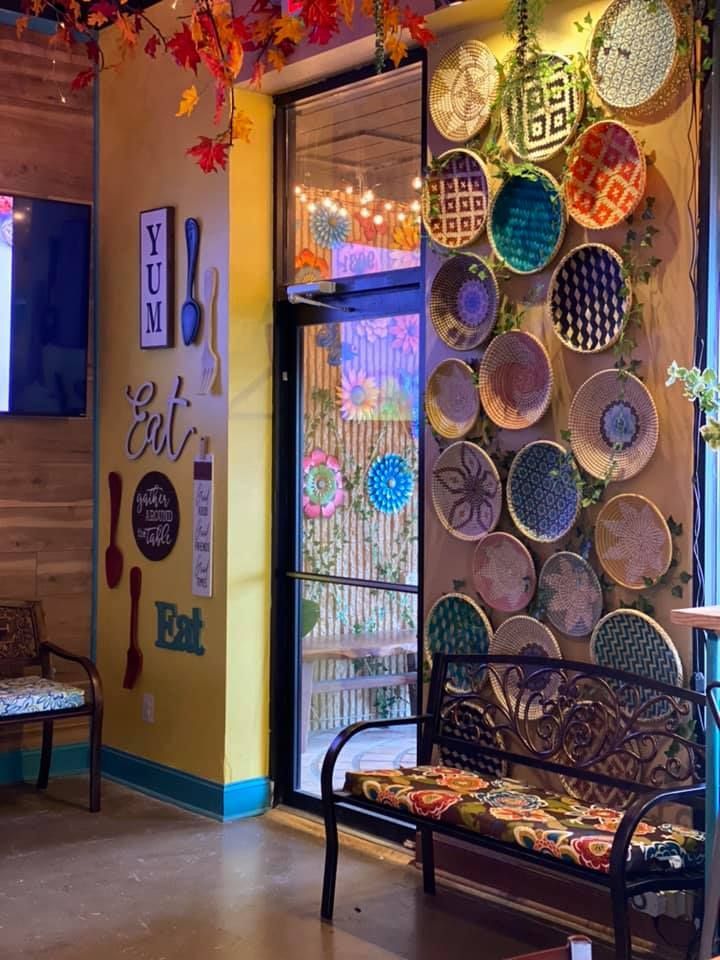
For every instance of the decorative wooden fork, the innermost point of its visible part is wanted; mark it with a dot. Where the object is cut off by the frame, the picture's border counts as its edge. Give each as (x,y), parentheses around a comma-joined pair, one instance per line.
(208,357)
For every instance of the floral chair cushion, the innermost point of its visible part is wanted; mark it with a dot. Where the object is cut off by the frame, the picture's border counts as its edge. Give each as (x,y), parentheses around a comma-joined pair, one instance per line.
(527,816)
(20,695)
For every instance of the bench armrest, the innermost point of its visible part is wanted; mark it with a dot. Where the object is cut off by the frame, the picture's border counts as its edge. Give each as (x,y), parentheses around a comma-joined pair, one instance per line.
(686,796)
(47,648)
(340,741)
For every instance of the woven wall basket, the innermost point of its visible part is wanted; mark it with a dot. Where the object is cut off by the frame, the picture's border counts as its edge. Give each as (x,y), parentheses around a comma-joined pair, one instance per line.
(542,496)
(524,637)
(586,303)
(542,106)
(455,199)
(462,90)
(464,301)
(606,175)
(613,424)
(504,572)
(571,594)
(633,541)
(470,723)
(634,60)
(526,224)
(515,380)
(456,624)
(452,401)
(466,491)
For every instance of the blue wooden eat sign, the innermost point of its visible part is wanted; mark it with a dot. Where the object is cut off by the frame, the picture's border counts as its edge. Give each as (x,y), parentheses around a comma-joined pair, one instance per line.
(177,631)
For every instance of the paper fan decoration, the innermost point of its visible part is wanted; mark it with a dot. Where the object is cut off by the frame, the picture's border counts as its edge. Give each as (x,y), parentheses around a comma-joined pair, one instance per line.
(613,424)
(462,90)
(456,624)
(633,541)
(515,380)
(323,490)
(464,301)
(542,495)
(329,228)
(455,199)
(570,594)
(467,722)
(541,108)
(526,224)
(588,299)
(635,54)
(503,572)
(524,689)
(390,483)
(466,491)
(606,175)
(452,401)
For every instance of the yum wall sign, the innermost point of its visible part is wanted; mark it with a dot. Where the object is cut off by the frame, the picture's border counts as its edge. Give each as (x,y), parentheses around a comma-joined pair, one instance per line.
(157,277)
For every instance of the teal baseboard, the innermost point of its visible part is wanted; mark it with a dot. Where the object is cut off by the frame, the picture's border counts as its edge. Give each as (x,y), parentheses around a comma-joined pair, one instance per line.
(229,801)
(19,765)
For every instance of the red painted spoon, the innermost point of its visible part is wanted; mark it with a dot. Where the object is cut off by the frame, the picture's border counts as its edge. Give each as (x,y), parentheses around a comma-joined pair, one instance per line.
(134,661)
(113,554)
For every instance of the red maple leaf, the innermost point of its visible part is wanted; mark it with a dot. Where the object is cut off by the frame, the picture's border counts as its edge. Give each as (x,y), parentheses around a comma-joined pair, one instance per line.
(417,27)
(152,45)
(93,51)
(210,155)
(240,29)
(106,8)
(321,19)
(83,79)
(182,46)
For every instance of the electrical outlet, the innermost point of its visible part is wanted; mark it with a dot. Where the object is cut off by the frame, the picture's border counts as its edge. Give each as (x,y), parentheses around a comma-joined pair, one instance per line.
(148,708)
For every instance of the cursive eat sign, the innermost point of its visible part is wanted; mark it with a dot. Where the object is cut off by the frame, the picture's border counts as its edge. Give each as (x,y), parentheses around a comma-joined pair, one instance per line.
(154,430)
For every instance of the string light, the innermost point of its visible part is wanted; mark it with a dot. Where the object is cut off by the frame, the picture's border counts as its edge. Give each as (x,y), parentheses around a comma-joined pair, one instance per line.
(417,183)
(388,205)
(303,198)
(377,219)
(364,213)
(401,216)
(415,206)
(342,212)
(327,203)
(349,189)
(312,207)
(298,190)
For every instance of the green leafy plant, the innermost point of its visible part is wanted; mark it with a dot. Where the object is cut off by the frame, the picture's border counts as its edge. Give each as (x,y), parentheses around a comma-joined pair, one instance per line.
(701,387)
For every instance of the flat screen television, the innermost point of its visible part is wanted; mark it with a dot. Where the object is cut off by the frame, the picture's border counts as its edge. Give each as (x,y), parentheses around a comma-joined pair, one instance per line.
(44,305)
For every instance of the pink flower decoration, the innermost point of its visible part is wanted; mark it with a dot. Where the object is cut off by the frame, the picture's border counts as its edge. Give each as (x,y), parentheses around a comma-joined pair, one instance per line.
(406,333)
(374,329)
(322,485)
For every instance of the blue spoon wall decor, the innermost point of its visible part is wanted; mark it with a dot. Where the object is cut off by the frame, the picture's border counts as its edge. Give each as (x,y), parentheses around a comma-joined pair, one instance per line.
(190,312)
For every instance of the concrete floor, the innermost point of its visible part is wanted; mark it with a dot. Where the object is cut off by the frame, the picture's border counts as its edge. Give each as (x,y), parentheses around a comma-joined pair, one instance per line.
(146,881)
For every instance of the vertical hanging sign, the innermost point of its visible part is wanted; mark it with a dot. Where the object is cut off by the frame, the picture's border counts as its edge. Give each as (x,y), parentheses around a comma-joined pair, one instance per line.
(157,277)
(202,524)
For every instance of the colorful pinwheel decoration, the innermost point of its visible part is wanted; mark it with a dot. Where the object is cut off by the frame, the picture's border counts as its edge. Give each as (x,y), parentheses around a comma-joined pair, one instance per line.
(389,483)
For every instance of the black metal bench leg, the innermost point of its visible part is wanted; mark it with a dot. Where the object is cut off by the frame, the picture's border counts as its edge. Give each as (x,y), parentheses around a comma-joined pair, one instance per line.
(45,755)
(621,923)
(428,859)
(95,774)
(331,861)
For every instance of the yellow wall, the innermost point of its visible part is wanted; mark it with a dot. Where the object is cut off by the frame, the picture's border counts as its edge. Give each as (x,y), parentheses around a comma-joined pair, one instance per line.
(142,164)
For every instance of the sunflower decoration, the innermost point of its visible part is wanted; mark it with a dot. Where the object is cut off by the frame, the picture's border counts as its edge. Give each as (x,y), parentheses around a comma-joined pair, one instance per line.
(329,228)
(357,395)
(323,489)
(406,235)
(309,267)
(389,483)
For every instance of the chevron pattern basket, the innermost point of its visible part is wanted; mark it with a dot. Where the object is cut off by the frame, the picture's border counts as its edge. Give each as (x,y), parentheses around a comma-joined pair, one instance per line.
(526,225)
(515,380)
(468,722)
(456,624)
(503,572)
(585,301)
(542,496)
(466,491)
(570,593)
(633,541)
(455,199)
(462,90)
(452,401)
(524,637)
(464,301)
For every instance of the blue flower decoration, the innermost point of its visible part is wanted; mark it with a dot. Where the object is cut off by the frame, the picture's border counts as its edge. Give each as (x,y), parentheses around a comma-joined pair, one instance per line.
(328,227)
(389,483)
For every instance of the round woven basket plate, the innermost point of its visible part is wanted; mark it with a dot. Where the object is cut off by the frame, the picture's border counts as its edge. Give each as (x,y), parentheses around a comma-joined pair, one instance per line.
(515,380)
(504,572)
(632,541)
(527,222)
(585,300)
(634,54)
(541,108)
(464,301)
(468,722)
(632,641)
(452,401)
(613,425)
(462,90)
(466,491)
(456,624)
(606,175)
(571,594)
(524,637)
(455,199)
(542,496)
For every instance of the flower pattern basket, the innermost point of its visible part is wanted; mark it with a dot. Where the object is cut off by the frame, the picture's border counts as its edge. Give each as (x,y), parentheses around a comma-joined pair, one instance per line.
(613,425)
(464,300)
(606,175)
(503,572)
(541,108)
(526,224)
(452,401)
(455,199)
(456,624)
(466,491)
(570,593)
(635,54)
(633,541)
(524,637)
(542,495)
(515,380)
(588,299)
(462,90)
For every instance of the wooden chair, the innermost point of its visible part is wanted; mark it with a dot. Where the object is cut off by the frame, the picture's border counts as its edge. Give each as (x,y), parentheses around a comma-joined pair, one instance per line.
(37,697)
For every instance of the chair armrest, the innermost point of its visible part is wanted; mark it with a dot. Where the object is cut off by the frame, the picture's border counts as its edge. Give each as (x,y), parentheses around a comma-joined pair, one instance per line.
(687,796)
(47,648)
(340,741)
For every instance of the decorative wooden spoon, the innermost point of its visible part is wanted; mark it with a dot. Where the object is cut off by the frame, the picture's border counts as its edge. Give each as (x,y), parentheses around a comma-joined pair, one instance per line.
(134,661)
(113,554)
(190,312)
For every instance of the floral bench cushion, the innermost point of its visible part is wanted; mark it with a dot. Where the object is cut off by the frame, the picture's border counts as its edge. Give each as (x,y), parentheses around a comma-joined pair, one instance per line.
(527,816)
(20,695)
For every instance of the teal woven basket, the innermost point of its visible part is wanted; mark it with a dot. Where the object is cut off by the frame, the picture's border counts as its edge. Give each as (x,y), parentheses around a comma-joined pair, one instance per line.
(527,221)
